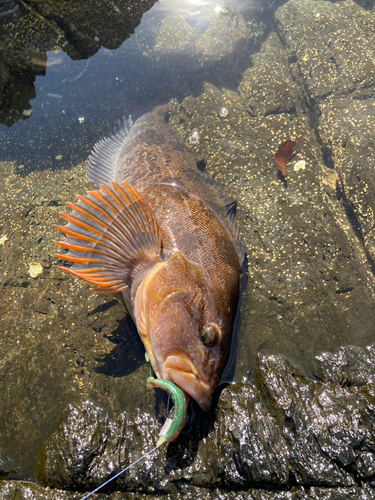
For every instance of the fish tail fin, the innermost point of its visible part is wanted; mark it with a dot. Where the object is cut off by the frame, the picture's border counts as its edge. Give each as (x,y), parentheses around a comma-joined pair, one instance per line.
(111,235)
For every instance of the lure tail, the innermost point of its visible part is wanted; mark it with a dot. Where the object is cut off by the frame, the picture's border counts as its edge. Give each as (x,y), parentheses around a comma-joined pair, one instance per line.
(176,418)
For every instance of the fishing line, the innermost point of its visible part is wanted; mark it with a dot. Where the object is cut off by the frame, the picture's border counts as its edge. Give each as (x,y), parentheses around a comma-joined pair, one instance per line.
(172,426)
(119,473)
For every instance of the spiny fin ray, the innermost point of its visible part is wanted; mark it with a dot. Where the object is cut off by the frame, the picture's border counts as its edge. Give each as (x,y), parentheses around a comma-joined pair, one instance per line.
(101,164)
(111,235)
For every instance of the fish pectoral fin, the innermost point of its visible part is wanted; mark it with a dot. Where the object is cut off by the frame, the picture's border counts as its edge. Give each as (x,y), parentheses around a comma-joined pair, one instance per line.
(112,234)
(229,203)
(230,206)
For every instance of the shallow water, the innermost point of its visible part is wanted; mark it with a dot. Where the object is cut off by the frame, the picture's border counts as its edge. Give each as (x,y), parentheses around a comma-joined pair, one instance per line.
(77,102)
(310,255)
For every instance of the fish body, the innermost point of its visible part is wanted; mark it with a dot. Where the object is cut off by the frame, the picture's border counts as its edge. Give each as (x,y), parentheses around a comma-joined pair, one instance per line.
(163,233)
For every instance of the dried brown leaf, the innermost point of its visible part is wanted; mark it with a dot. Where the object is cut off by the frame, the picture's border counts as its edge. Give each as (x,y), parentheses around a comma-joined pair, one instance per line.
(283,155)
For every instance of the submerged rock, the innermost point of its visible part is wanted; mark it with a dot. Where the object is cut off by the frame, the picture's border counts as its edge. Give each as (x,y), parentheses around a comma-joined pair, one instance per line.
(28,32)
(267,87)
(228,36)
(332,43)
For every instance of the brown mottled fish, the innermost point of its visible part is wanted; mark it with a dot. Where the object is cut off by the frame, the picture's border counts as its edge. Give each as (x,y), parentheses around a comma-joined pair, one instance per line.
(162,233)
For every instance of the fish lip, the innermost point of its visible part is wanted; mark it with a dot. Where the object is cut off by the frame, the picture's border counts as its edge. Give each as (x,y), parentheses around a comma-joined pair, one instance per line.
(180,370)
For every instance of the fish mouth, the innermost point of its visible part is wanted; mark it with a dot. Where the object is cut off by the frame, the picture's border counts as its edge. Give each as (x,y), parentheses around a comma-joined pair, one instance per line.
(180,370)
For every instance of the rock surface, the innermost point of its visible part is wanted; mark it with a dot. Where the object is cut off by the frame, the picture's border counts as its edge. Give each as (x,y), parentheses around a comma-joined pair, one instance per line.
(19,489)
(59,342)
(286,431)
(332,44)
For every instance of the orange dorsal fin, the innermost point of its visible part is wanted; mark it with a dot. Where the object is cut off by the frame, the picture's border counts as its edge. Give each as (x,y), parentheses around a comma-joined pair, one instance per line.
(112,235)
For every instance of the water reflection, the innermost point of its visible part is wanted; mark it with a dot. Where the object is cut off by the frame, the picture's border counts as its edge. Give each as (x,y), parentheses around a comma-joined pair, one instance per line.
(74,101)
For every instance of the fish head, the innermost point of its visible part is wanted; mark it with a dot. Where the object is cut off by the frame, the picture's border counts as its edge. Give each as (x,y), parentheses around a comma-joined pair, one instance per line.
(185,327)
(183,310)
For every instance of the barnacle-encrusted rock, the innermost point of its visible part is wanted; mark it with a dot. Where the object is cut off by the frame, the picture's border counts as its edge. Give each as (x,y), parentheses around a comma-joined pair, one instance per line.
(267,87)
(333,44)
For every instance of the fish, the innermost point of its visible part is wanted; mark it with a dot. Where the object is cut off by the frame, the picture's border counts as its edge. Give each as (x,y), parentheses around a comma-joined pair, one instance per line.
(164,234)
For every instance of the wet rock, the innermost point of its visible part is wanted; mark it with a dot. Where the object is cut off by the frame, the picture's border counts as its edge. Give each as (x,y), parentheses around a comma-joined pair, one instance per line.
(267,87)
(346,128)
(252,449)
(287,431)
(348,366)
(27,33)
(21,489)
(87,440)
(59,342)
(229,35)
(333,44)
(307,413)
(307,268)
(90,446)
(366,467)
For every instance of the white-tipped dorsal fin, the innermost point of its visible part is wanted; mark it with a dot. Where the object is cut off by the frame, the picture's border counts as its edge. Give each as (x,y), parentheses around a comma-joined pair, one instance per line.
(112,236)
(101,163)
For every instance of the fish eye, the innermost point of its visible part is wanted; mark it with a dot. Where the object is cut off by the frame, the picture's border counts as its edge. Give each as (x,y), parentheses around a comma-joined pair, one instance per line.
(210,335)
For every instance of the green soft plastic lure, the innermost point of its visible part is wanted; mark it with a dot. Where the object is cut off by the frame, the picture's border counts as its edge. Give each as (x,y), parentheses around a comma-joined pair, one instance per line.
(173,424)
